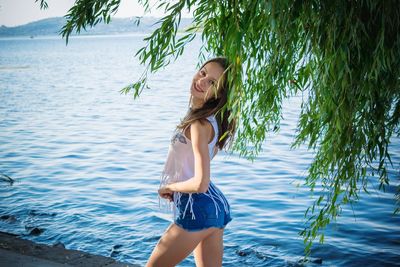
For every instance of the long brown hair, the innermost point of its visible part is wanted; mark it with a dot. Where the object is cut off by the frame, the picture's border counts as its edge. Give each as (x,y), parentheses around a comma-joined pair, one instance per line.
(215,105)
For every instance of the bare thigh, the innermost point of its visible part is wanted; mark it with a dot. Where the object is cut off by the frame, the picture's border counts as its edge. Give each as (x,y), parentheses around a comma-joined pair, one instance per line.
(175,245)
(209,251)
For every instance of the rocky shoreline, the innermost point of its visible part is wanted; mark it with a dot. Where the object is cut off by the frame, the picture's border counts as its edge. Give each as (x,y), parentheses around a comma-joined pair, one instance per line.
(16,251)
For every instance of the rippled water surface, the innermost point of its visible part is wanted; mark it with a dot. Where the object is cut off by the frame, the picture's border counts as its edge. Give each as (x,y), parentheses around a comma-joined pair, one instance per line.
(86,162)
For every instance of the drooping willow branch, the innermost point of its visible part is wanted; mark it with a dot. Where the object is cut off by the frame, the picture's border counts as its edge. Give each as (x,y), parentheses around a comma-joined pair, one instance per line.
(343,54)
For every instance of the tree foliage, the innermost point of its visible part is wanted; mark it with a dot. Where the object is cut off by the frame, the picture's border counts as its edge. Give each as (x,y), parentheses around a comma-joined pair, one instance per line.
(343,54)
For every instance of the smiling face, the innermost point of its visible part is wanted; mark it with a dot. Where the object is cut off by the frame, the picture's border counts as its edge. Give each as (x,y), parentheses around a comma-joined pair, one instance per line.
(204,84)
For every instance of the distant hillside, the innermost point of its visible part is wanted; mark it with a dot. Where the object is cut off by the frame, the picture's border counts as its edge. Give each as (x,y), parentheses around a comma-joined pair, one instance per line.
(52,26)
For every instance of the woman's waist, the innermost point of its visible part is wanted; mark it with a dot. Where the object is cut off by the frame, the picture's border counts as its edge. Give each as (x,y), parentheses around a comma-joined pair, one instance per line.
(211,191)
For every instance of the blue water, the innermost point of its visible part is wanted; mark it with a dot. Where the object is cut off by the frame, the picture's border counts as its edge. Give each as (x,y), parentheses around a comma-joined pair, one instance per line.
(87,160)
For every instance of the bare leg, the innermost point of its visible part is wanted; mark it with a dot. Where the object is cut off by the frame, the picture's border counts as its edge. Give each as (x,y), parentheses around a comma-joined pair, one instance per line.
(209,251)
(175,245)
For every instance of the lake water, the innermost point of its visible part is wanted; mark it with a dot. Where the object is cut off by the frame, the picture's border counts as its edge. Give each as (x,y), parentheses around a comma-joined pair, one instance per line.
(86,162)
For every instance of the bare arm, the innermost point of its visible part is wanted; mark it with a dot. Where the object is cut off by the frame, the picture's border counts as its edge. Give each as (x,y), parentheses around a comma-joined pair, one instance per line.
(200,134)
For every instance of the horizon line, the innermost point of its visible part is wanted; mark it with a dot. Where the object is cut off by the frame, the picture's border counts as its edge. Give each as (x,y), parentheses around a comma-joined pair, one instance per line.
(130,17)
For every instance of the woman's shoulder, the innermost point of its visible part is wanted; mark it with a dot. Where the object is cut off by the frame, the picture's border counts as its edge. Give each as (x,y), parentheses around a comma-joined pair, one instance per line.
(201,124)
(201,127)
(207,122)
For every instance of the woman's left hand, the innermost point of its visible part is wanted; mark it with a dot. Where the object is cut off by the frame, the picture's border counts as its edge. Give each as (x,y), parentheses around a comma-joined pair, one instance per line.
(165,192)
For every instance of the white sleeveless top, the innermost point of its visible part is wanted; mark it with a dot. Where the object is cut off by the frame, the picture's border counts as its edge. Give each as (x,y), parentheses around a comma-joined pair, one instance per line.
(179,165)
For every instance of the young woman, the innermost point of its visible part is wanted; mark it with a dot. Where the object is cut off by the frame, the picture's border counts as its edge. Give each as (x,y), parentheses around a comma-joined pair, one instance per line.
(201,211)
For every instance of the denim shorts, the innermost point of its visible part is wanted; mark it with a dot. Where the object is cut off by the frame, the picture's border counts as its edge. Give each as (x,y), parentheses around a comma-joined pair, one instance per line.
(205,212)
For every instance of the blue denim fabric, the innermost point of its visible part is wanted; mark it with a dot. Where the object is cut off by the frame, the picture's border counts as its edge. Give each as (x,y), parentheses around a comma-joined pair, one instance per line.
(205,212)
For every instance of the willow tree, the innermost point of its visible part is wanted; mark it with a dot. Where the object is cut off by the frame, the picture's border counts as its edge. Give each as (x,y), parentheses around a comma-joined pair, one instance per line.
(345,55)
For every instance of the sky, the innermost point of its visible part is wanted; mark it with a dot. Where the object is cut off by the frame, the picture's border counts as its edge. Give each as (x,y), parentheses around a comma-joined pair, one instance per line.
(18,12)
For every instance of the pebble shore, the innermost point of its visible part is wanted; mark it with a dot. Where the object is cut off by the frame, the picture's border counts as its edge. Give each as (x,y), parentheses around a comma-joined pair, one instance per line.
(18,252)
